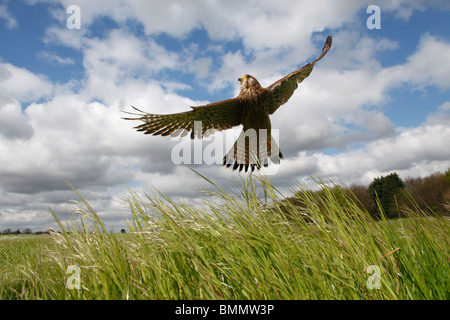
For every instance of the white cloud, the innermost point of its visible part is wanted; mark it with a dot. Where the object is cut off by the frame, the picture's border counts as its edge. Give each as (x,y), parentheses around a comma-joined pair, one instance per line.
(55,34)
(428,66)
(405,9)
(332,104)
(24,85)
(10,21)
(122,54)
(54,58)
(444,107)
(13,123)
(73,140)
(416,151)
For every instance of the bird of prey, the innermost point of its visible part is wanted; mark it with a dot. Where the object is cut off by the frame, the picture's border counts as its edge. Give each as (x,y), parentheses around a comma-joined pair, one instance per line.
(251,109)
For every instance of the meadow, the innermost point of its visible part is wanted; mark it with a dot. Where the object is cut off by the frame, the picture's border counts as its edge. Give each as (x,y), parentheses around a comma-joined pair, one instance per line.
(248,245)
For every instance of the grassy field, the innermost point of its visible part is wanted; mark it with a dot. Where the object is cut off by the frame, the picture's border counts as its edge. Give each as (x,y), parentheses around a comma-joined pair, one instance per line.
(234,246)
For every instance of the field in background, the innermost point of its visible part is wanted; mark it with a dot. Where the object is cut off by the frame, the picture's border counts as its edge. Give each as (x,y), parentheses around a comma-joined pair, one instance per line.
(235,246)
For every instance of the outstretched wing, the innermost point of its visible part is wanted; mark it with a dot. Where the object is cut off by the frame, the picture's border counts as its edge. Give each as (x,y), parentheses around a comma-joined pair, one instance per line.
(283,89)
(215,116)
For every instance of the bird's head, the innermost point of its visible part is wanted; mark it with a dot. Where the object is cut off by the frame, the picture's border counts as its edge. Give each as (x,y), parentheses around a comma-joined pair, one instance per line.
(248,81)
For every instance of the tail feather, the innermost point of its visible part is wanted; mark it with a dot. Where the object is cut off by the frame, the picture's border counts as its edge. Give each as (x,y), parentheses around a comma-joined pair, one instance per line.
(252,151)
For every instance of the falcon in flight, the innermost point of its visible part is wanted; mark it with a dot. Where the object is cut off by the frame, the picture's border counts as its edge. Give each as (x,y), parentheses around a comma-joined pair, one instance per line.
(251,109)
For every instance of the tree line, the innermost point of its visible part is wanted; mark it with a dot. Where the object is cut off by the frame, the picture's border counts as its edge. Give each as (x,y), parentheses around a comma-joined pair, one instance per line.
(24,231)
(29,231)
(391,196)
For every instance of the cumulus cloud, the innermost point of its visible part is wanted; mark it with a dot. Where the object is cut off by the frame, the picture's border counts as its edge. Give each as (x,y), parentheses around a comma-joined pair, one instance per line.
(24,85)
(425,146)
(417,151)
(13,123)
(429,65)
(73,141)
(330,112)
(122,54)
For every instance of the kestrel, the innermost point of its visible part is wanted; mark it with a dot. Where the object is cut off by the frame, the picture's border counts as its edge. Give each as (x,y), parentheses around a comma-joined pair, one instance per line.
(251,109)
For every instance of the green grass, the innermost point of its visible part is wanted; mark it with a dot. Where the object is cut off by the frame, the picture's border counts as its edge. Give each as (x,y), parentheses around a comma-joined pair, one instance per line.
(19,256)
(235,246)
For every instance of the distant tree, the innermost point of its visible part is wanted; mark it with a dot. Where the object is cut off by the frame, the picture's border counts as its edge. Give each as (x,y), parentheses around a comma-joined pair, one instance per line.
(7,231)
(27,231)
(447,193)
(123,231)
(413,185)
(432,192)
(385,189)
(361,194)
(17,231)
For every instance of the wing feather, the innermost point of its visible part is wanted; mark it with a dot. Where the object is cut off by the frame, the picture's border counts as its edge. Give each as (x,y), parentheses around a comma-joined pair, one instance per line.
(282,90)
(215,116)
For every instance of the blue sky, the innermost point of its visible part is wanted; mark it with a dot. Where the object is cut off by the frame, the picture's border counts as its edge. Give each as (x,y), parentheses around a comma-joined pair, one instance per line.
(378,102)
(27,49)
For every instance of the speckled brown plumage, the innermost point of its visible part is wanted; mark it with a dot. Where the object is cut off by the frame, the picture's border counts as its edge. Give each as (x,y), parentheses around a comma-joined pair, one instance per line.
(251,109)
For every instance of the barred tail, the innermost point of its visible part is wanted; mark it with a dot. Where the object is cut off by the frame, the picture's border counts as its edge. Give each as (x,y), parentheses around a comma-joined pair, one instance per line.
(252,150)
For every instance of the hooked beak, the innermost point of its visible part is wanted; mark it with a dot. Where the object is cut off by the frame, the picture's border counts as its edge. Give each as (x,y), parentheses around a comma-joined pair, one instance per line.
(240,79)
